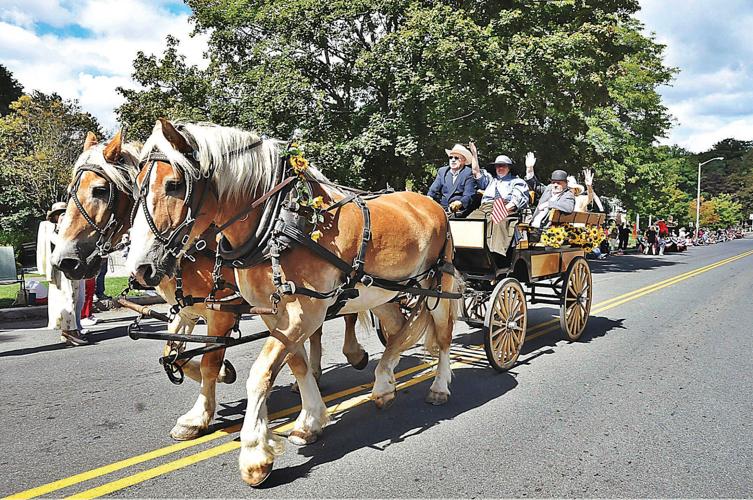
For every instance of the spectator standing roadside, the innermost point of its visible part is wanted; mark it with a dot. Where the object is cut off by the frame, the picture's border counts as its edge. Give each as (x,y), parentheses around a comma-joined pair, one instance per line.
(651,240)
(624,236)
(99,290)
(65,297)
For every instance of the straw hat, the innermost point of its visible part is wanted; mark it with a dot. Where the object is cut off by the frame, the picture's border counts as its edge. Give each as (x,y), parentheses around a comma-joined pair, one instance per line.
(460,150)
(57,208)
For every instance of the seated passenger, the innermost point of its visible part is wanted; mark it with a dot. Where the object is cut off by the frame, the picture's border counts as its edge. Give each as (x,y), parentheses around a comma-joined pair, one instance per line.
(455,186)
(555,195)
(513,193)
(582,200)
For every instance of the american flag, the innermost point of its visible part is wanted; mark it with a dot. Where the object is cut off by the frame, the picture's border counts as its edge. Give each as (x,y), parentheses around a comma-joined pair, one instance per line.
(499,210)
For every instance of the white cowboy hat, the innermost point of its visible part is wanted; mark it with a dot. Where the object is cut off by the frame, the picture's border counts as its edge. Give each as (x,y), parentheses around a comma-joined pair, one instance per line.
(460,150)
(57,208)
(573,185)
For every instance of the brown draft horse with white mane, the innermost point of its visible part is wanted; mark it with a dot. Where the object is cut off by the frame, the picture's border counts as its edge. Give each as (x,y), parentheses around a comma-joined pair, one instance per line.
(409,237)
(103,178)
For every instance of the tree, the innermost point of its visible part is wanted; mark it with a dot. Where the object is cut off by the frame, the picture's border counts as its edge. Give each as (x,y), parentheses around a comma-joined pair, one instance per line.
(709,218)
(40,140)
(729,211)
(381,87)
(10,90)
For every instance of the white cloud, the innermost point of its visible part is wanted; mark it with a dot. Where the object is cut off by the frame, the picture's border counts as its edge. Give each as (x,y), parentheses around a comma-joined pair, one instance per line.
(712,45)
(89,68)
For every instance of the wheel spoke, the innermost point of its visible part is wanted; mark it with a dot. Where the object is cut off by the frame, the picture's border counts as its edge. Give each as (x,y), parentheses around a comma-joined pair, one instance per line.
(506,292)
(497,340)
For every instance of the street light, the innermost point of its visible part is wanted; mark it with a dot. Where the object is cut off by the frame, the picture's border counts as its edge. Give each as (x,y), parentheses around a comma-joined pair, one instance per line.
(698,197)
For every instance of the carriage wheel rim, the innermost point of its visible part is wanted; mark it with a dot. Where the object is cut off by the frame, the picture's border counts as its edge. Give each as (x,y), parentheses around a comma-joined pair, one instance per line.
(577,300)
(507,325)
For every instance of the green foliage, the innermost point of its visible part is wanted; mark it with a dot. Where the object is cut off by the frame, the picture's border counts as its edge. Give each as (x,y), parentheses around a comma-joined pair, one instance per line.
(729,211)
(10,90)
(40,139)
(379,88)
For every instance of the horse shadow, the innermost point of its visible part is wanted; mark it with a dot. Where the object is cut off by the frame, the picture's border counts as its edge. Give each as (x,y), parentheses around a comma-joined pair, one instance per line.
(366,427)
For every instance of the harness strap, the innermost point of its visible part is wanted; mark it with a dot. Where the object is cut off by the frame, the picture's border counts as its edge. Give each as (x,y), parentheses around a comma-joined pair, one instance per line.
(296,234)
(255,204)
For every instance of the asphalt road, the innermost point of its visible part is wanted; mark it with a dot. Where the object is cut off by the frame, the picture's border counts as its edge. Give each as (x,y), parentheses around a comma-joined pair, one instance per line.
(654,401)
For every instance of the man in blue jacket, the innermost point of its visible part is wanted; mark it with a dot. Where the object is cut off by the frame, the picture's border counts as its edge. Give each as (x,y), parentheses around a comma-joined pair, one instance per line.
(455,185)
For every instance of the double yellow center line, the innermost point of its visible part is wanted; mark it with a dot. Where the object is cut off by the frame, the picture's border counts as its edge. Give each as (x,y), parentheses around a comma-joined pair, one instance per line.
(419,373)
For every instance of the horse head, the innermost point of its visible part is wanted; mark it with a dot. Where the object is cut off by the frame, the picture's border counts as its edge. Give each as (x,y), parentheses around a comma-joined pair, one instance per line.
(174,204)
(99,202)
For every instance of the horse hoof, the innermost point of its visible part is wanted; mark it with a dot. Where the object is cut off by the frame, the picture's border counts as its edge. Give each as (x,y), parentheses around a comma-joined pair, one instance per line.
(385,400)
(437,398)
(363,363)
(186,432)
(257,475)
(301,438)
(229,375)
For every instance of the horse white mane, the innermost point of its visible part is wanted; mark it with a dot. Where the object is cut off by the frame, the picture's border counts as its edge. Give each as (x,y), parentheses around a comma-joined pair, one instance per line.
(237,170)
(124,176)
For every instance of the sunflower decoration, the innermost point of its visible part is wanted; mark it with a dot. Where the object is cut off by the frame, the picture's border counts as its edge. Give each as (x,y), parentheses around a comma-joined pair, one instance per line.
(554,236)
(297,160)
(587,237)
(304,196)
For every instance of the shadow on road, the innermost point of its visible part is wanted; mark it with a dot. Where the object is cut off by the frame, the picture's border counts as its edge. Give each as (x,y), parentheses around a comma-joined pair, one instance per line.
(366,427)
(94,338)
(630,263)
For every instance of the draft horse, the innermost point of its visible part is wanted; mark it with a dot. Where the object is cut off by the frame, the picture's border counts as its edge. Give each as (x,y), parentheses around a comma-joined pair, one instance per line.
(98,216)
(196,174)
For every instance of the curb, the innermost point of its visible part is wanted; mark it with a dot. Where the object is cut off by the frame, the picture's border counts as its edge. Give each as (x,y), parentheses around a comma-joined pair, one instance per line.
(37,312)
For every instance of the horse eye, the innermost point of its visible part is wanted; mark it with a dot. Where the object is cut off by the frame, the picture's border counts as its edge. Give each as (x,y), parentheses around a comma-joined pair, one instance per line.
(173,186)
(100,191)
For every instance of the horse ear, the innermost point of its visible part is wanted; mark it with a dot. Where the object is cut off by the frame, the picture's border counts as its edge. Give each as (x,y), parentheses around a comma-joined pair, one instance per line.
(112,150)
(174,137)
(90,141)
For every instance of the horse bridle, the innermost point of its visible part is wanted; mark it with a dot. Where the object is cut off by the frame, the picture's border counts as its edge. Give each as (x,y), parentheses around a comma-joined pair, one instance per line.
(177,239)
(103,246)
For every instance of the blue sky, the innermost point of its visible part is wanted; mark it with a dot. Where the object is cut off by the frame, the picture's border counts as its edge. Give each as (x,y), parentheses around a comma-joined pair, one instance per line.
(84,49)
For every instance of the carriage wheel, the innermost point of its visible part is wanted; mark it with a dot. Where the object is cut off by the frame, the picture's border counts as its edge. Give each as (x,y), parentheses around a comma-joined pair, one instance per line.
(505,324)
(474,307)
(575,303)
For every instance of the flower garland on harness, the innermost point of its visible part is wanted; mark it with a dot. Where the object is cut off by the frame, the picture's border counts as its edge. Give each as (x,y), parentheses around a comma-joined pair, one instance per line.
(305,197)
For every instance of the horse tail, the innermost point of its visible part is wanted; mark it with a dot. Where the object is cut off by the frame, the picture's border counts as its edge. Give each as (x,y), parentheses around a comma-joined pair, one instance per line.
(366,323)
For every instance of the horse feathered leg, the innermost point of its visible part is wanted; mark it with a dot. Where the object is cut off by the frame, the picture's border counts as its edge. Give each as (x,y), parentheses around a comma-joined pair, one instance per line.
(353,351)
(315,358)
(259,446)
(196,421)
(313,417)
(406,333)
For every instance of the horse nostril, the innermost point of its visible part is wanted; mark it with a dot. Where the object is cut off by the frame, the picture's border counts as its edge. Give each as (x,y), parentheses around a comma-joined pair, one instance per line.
(68,264)
(148,274)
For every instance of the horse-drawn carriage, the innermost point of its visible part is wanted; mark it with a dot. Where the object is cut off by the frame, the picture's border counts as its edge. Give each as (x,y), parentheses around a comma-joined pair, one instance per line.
(288,238)
(495,294)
